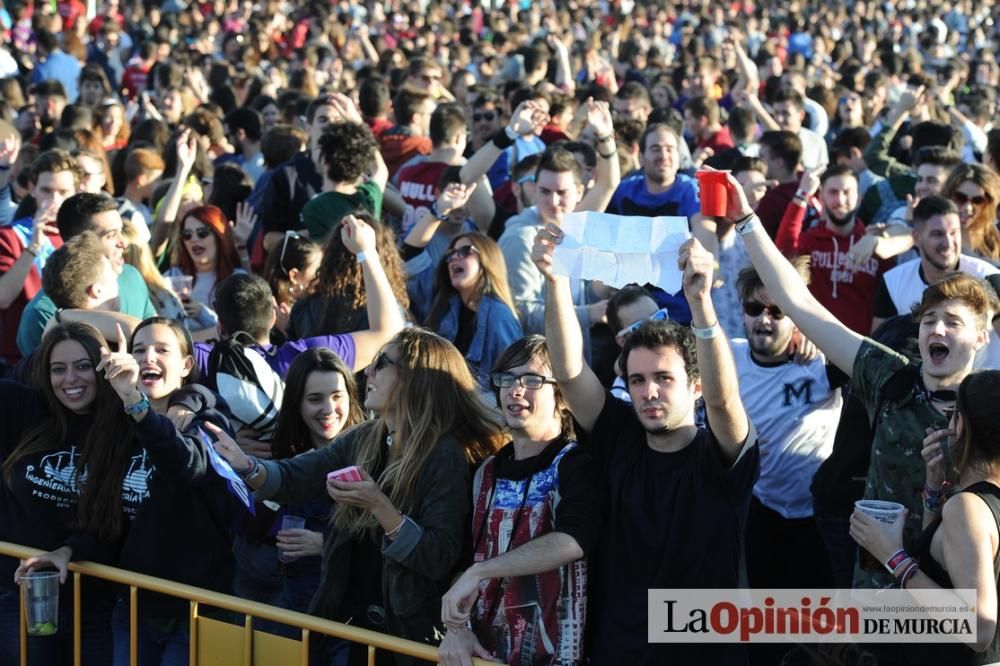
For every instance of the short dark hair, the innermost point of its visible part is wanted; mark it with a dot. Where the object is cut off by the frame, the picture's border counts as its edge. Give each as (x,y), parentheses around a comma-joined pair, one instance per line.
(281,143)
(446,122)
(405,103)
(373,97)
(783,145)
(559,160)
(76,213)
(49,88)
(789,95)
(248,120)
(937,155)
(741,123)
(56,161)
(930,207)
(527,165)
(627,295)
(656,127)
(835,171)
(930,133)
(348,150)
(745,163)
(634,90)
(657,334)
(72,269)
(975,293)
(243,303)
(748,282)
(702,106)
(585,149)
(852,137)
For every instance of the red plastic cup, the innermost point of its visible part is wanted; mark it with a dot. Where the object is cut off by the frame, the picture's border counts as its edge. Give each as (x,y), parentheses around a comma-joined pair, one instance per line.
(713,189)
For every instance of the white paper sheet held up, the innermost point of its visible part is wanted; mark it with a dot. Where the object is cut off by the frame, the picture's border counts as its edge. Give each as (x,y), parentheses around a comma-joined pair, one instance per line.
(619,250)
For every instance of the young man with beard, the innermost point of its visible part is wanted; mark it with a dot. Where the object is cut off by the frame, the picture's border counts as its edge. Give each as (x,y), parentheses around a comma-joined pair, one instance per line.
(844,288)
(902,400)
(795,407)
(658,189)
(678,494)
(535,518)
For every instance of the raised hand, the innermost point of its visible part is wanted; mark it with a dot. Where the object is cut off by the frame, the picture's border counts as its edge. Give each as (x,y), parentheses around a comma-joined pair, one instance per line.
(697,264)
(246,218)
(909,100)
(187,151)
(809,183)
(345,107)
(121,369)
(545,244)
(599,118)
(528,118)
(358,236)
(9,149)
(454,197)
(935,455)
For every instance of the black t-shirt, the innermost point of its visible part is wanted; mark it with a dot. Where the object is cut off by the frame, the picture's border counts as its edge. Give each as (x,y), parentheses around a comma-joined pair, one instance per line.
(675,520)
(466,329)
(581,508)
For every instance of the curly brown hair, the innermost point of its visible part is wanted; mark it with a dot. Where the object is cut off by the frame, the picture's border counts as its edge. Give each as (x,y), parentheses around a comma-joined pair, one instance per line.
(341,282)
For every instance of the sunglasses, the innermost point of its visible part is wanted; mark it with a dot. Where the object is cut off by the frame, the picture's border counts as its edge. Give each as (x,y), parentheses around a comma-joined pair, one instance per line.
(202,233)
(284,246)
(380,362)
(660,315)
(488,116)
(460,253)
(528,381)
(962,199)
(755,309)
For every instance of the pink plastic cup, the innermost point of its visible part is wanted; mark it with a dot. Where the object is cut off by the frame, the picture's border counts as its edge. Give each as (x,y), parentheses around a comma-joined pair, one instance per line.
(713,191)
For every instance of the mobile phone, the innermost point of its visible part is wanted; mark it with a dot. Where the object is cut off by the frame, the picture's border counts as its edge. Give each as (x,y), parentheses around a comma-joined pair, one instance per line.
(347,474)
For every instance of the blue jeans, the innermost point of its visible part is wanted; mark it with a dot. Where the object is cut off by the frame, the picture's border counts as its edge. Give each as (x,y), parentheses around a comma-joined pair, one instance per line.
(156,647)
(257,577)
(56,650)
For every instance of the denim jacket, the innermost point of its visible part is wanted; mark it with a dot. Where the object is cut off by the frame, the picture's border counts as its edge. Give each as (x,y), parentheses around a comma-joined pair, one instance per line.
(496,328)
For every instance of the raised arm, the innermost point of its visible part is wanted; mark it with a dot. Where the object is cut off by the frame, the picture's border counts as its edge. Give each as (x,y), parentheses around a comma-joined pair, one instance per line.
(608,173)
(719,385)
(187,151)
(526,119)
(877,153)
(578,382)
(789,292)
(12,281)
(384,316)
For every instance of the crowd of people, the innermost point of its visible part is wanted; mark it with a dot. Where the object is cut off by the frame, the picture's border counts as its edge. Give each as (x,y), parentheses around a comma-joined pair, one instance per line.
(307,249)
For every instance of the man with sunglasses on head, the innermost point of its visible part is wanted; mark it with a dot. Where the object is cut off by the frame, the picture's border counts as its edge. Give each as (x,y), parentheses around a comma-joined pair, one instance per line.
(535,518)
(628,308)
(795,404)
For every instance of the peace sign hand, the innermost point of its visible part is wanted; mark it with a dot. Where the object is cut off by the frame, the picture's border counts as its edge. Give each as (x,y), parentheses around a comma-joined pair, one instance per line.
(121,370)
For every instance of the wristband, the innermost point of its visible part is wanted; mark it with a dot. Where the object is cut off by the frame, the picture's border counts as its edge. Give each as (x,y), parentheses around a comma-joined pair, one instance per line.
(503,140)
(433,208)
(602,139)
(910,572)
(391,534)
(799,194)
(897,558)
(5,168)
(250,471)
(746,224)
(138,407)
(608,156)
(362,256)
(706,333)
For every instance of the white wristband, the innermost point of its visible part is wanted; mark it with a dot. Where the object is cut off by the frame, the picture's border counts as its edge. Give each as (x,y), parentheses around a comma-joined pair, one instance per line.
(362,256)
(746,227)
(706,333)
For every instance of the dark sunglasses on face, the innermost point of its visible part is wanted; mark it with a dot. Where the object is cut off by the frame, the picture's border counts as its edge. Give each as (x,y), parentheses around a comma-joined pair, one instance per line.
(527,381)
(962,199)
(488,116)
(755,309)
(202,233)
(459,253)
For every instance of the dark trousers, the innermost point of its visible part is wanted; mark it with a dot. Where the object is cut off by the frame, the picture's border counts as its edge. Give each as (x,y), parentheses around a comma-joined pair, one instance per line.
(56,650)
(783,553)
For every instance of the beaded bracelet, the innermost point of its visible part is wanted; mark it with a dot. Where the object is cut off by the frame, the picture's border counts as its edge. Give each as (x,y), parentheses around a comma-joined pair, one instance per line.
(910,572)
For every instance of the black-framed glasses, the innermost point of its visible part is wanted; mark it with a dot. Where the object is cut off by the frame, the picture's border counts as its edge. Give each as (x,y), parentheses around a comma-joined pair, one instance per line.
(202,233)
(528,380)
(755,309)
(381,360)
(660,315)
(284,246)
(460,253)
(488,116)
(961,198)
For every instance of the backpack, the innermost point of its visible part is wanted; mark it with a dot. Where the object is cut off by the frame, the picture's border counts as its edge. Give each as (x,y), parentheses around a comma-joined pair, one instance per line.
(252,389)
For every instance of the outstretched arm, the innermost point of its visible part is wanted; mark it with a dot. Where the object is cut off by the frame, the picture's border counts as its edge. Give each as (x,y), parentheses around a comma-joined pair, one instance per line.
(789,292)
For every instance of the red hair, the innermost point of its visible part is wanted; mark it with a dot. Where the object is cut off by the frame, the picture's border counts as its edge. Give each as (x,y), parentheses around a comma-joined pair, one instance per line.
(227,259)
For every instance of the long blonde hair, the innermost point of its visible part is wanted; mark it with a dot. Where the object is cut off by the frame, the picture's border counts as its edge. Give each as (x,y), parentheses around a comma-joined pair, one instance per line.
(435,396)
(492,276)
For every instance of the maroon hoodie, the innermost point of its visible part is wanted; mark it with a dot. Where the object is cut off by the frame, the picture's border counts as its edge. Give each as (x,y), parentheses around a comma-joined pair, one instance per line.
(846,291)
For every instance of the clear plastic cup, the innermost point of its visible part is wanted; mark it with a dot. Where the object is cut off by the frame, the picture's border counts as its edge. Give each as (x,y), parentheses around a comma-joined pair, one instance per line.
(290,522)
(713,192)
(181,283)
(886,512)
(41,600)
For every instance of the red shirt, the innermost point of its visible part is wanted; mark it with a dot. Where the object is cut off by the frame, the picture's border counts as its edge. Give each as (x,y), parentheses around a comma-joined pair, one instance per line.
(134,79)
(718,142)
(418,184)
(11,248)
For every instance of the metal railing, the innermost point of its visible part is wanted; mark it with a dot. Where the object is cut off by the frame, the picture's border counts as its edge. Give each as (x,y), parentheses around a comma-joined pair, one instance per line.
(211,638)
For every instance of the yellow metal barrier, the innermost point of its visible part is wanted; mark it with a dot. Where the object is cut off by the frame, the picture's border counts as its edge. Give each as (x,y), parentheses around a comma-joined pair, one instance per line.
(214,642)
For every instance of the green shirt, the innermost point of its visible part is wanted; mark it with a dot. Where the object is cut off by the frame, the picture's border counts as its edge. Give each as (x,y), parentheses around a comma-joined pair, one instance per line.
(325,210)
(133,299)
(900,413)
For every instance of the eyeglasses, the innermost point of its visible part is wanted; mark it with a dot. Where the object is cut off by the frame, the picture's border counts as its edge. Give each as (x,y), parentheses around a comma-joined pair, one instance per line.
(460,253)
(284,246)
(379,363)
(962,199)
(660,315)
(202,233)
(488,116)
(528,381)
(755,309)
